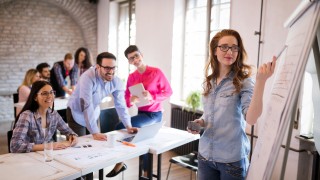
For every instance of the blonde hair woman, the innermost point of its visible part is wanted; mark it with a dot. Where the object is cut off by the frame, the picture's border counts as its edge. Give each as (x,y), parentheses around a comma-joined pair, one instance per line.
(32,75)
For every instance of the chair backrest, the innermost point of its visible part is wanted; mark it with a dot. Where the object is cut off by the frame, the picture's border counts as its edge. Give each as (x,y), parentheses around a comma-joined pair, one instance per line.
(108,120)
(15,97)
(9,136)
(15,100)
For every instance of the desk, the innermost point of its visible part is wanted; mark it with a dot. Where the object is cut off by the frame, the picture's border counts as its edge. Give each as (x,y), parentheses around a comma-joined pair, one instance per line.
(98,156)
(32,166)
(165,140)
(59,104)
(77,161)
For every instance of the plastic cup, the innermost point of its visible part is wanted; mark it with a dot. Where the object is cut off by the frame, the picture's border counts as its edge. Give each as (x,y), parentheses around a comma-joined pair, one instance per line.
(48,151)
(112,139)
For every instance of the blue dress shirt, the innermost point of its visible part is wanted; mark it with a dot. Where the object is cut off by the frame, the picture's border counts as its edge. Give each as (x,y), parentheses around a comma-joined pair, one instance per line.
(90,90)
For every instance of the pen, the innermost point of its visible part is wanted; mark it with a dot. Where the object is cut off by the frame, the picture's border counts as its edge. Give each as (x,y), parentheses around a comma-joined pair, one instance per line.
(127,143)
(284,47)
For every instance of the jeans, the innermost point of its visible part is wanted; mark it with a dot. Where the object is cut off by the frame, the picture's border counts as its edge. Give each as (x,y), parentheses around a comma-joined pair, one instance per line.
(225,171)
(143,118)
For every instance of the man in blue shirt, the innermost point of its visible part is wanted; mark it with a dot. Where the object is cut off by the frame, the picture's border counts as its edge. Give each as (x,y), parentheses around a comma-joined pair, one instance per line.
(95,84)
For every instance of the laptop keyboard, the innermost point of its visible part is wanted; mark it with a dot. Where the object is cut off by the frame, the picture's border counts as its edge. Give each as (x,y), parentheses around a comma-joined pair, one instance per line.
(128,139)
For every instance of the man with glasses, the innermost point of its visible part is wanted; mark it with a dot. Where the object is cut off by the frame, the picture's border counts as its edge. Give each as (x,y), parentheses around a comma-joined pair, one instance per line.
(94,85)
(84,104)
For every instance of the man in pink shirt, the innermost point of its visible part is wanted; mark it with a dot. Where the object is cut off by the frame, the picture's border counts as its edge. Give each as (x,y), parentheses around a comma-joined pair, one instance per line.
(157,89)
(156,85)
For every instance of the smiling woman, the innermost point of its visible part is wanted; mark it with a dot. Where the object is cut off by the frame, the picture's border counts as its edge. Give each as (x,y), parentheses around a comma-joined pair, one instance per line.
(37,122)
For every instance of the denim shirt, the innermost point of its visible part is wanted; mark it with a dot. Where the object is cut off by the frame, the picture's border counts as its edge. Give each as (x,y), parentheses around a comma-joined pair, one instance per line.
(224,139)
(90,91)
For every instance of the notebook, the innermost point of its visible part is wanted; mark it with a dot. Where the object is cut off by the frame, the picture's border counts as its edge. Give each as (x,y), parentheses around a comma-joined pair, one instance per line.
(137,90)
(144,133)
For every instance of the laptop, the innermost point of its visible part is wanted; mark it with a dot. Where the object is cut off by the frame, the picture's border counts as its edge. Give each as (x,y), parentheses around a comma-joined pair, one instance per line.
(145,132)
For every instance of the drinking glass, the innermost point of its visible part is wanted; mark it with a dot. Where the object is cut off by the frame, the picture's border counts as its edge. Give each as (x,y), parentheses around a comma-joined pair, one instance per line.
(48,151)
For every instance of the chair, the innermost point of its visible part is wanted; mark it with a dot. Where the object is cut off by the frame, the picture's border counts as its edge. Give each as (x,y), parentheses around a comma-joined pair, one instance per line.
(108,121)
(188,161)
(15,100)
(9,136)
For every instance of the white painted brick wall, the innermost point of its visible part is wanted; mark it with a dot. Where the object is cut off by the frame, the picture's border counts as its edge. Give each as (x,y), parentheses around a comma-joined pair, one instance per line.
(36,31)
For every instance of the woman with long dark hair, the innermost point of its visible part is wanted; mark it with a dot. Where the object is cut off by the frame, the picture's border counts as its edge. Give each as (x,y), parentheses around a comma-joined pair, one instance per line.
(83,59)
(38,121)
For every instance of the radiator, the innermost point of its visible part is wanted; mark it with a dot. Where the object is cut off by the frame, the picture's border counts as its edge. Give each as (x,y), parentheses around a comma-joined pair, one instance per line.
(179,120)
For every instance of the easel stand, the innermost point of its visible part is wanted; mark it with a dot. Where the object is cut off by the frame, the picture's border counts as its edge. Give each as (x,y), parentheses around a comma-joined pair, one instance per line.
(293,107)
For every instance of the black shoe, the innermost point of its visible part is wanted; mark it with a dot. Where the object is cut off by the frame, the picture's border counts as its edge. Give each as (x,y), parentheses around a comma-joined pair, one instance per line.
(113,173)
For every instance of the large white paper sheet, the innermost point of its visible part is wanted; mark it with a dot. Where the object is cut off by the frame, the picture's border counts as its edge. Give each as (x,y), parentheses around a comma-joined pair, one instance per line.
(284,91)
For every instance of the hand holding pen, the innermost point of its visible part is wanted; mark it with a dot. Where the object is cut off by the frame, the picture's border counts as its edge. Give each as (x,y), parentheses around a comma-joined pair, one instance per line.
(127,143)
(73,139)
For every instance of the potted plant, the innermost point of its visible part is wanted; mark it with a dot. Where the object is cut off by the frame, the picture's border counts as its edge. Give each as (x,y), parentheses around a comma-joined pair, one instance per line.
(193,100)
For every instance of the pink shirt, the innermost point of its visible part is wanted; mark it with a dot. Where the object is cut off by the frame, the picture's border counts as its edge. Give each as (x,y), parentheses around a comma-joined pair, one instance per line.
(153,81)
(24,92)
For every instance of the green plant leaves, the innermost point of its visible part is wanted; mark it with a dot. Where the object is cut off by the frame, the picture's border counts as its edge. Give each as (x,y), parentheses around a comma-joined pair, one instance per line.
(194,100)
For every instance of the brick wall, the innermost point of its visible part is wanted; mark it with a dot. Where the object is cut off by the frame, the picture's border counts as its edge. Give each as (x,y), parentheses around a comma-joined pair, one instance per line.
(36,31)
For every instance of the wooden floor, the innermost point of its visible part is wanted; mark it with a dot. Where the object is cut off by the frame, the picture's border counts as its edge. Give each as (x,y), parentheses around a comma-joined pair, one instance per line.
(176,173)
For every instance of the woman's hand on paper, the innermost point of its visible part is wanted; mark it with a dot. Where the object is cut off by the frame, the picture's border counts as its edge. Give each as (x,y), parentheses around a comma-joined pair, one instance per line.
(73,139)
(61,145)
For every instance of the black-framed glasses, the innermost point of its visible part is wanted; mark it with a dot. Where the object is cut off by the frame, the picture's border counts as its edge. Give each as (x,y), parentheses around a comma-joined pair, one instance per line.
(131,59)
(47,93)
(225,48)
(108,68)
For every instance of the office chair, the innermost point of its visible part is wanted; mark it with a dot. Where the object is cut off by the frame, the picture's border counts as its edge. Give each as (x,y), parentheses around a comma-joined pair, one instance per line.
(188,161)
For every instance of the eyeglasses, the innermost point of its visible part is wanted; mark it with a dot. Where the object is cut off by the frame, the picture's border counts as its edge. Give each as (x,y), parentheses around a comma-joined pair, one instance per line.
(108,68)
(131,59)
(225,48)
(47,93)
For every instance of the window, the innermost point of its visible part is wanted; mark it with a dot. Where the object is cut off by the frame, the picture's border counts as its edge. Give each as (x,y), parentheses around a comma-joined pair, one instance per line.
(125,33)
(197,35)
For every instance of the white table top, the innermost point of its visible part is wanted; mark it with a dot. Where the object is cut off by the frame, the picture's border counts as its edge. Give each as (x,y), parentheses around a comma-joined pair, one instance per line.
(59,104)
(169,138)
(98,156)
(75,161)
(32,166)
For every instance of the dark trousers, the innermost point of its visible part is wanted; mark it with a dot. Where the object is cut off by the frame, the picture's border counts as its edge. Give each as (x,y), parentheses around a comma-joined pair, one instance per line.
(77,128)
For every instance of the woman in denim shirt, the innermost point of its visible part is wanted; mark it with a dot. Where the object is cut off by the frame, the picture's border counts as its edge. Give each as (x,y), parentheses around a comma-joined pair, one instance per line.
(231,98)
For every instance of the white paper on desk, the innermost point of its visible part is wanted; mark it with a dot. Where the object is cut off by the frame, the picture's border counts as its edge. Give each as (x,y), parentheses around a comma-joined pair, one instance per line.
(136,90)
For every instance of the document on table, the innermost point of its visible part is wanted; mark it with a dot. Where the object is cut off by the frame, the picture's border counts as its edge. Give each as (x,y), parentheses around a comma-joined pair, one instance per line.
(136,90)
